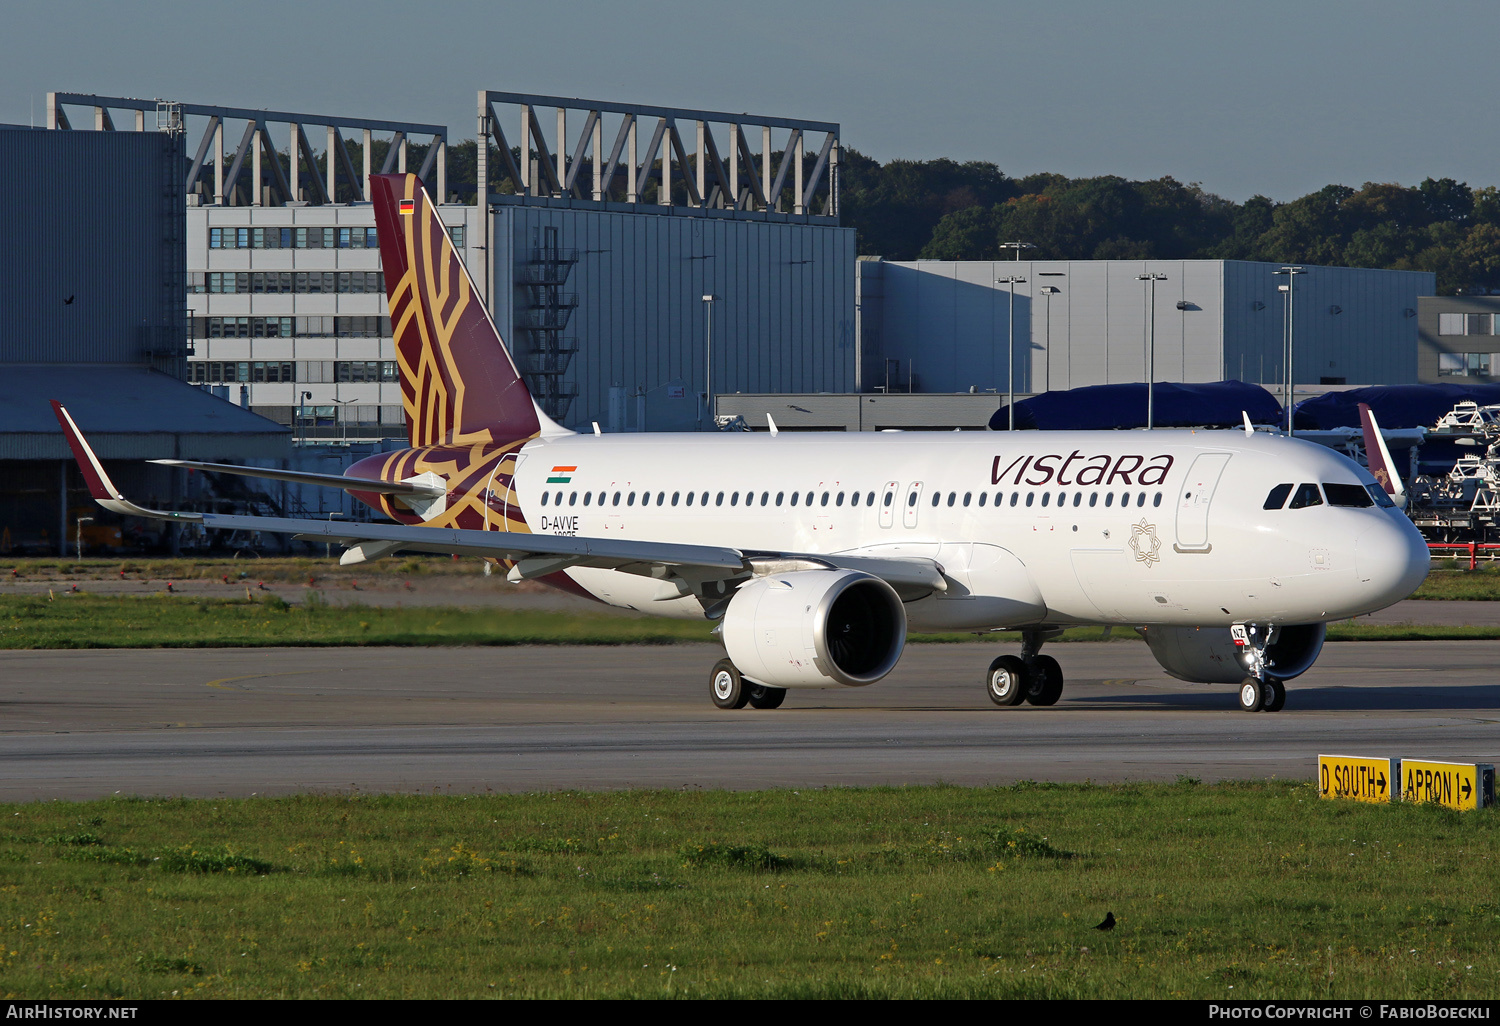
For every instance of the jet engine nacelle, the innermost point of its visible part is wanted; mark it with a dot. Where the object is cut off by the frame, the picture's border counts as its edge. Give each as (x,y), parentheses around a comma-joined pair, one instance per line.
(1208,655)
(815,628)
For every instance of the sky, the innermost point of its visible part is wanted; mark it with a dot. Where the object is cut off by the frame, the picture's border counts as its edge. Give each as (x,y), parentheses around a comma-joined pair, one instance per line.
(1276,97)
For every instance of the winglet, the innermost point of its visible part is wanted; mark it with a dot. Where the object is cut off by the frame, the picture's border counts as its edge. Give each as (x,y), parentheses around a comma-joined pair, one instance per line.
(1248,429)
(1378,457)
(100,486)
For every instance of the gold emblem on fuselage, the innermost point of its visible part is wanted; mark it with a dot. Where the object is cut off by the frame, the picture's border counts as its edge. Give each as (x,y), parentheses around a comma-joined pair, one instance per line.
(1144,543)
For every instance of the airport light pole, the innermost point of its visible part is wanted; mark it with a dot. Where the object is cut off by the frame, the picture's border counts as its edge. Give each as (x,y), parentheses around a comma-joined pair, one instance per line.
(1010,368)
(1049,291)
(708,357)
(1017,246)
(1288,394)
(1152,278)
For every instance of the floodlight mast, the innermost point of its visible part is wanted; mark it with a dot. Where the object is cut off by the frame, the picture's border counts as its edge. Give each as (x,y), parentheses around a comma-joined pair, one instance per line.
(1010,368)
(1048,291)
(1289,380)
(1152,278)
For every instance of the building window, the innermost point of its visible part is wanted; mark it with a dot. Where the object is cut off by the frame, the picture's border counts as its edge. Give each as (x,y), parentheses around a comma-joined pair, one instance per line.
(1464,365)
(204,372)
(1466,324)
(356,237)
(290,327)
(456,233)
(287,282)
(364,370)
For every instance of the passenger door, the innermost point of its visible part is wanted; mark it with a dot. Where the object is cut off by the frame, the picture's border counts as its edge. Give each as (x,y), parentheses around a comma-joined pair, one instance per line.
(1193,502)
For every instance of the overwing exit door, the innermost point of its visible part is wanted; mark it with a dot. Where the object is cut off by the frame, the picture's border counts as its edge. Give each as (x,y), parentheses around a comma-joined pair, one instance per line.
(888,503)
(913,504)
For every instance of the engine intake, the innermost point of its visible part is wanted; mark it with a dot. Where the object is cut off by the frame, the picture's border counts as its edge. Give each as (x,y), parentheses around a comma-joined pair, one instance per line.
(1208,655)
(815,628)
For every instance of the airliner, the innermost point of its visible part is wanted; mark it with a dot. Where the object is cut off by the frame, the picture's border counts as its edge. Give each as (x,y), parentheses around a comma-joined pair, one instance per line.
(815,554)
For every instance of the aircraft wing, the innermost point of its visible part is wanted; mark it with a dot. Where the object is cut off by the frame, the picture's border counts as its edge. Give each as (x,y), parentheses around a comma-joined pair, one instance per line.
(534,555)
(348,484)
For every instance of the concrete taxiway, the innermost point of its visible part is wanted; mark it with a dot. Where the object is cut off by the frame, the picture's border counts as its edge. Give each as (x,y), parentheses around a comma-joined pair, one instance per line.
(275,721)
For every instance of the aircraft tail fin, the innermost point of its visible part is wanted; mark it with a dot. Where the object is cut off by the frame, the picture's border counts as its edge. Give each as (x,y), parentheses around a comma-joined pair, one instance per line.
(1379,457)
(459,385)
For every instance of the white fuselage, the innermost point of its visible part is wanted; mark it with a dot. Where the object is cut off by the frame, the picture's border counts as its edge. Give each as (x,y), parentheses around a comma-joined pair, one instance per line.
(1033,528)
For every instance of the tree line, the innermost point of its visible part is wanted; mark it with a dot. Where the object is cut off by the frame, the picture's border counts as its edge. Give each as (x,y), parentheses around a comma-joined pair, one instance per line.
(946,210)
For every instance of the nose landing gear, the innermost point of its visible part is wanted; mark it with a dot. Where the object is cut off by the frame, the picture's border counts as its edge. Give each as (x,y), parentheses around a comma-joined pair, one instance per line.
(1262,690)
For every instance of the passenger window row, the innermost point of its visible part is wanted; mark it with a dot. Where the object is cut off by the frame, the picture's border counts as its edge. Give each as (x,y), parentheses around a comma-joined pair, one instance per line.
(1046,498)
(837,498)
(688,498)
(1308,494)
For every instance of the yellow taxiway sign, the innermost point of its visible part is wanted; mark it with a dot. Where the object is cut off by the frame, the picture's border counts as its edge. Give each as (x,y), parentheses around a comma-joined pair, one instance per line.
(1457,785)
(1356,777)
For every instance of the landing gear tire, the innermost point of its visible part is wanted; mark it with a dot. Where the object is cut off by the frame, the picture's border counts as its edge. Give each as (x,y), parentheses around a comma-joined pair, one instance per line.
(1273,695)
(1006,681)
(1044,684)
(727,687)
(1252,696)
(764,697)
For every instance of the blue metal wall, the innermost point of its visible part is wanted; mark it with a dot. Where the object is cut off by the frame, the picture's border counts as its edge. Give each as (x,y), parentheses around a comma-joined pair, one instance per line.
(91,216)
(784,320)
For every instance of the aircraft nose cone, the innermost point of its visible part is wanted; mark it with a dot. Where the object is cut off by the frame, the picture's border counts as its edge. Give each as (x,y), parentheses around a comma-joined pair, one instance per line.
(1391,560)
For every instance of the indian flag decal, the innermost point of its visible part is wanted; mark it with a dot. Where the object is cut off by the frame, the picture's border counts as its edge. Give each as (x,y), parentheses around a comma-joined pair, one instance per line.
(561,475)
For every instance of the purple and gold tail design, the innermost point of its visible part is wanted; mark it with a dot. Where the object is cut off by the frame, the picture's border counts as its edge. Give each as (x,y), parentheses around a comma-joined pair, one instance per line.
(458,384)
(468,411)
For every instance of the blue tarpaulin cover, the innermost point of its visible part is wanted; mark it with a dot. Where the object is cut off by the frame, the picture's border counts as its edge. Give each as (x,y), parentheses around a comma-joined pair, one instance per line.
(1394,406)
(1102,407)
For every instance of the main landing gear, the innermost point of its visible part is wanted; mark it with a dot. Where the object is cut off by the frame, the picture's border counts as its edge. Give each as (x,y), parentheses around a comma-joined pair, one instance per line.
(731,691)
(1261,691)
(1029,677)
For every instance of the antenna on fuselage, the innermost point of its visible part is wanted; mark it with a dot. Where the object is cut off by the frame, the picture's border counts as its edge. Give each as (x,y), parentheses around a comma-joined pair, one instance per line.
(770,423)
(597,432)
(1249,430)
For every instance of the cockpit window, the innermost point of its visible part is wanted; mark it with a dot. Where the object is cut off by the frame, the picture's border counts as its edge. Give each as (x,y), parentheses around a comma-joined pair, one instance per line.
(1379,495)
(1306,495)
(1278,495)
(1346,495)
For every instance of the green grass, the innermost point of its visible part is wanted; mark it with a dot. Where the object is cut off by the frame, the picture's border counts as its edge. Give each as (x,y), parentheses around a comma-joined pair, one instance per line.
(250,569)
(1227,891)
(168,621)
(1447,581)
